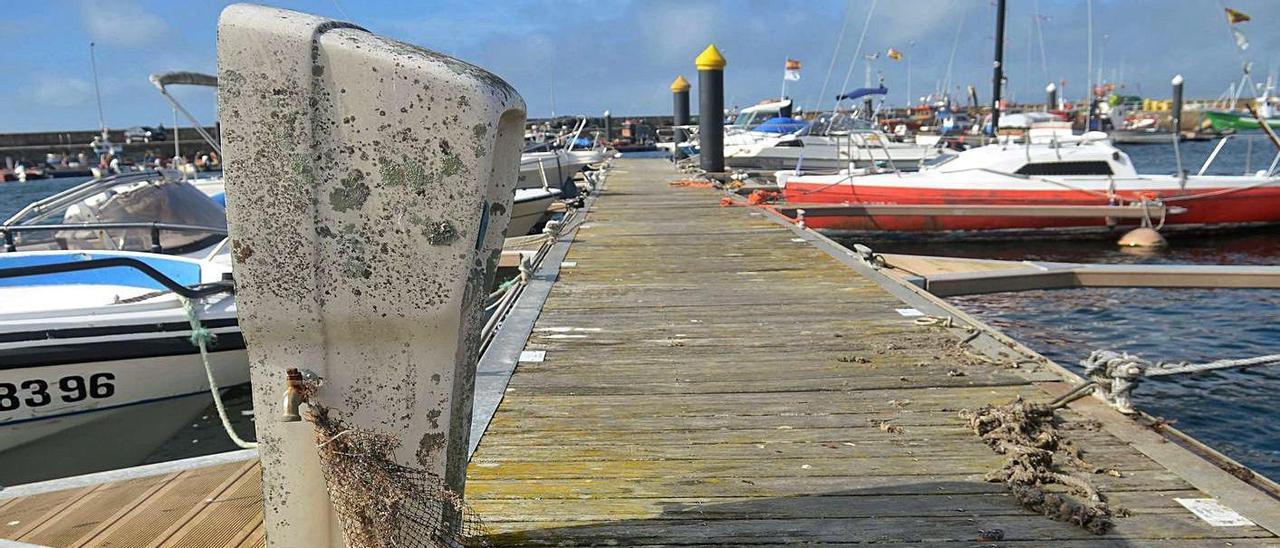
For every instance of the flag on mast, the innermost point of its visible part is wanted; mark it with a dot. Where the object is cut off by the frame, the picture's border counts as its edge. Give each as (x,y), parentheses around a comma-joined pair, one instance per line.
(1241,41)
(792,72)
(1234,16)
(894,54)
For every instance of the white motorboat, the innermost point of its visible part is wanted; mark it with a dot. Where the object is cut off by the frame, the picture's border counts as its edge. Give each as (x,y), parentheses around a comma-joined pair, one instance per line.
(743,132)
(554,163)
(1061,186)
(96,356)
(529,209)
(831,142)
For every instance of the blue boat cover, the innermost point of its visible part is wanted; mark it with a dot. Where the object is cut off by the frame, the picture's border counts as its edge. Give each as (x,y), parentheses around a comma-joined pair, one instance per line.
(781,125)
(184,272)
(862,92)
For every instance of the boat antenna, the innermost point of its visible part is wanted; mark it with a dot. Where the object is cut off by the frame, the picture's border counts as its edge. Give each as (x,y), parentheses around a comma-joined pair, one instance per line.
(955,45)
(1088,76)
(553,79)
(97,91)
(1044,60)
(817,101)
(857,54)
(997,75)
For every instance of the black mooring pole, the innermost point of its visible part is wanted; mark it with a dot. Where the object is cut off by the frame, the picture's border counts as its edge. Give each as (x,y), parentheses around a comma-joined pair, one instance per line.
(680,112)
(711,109)
(998,74)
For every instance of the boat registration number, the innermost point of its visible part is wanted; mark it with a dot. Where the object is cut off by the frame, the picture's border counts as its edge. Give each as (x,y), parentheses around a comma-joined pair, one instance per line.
(69,389)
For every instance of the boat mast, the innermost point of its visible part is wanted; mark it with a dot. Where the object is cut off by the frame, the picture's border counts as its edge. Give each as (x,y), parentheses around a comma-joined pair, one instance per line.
(998,73)
(1088,76)
(97,91)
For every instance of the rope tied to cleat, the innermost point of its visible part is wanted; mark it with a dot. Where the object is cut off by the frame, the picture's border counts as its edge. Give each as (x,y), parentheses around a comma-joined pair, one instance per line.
(1117,374)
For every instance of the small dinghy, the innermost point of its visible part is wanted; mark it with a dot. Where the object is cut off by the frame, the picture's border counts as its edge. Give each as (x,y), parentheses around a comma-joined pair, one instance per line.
(99,286)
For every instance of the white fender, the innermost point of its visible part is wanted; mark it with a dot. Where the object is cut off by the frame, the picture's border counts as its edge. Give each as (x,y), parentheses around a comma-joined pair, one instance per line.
(369,183)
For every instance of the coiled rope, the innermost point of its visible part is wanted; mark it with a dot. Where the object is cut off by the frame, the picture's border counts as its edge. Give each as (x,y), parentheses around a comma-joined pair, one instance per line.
(201,337)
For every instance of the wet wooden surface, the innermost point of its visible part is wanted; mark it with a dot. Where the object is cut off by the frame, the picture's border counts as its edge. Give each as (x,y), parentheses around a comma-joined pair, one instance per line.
(707,380)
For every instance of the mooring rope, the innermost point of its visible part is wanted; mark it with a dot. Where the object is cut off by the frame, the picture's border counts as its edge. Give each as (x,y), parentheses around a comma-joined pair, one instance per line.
(201,337)
(1117,374)
(1163,369)
(1108,359)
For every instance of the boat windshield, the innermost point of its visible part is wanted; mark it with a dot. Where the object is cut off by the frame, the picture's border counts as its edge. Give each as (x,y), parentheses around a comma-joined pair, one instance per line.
(938,160)
(828,123)
(101,208)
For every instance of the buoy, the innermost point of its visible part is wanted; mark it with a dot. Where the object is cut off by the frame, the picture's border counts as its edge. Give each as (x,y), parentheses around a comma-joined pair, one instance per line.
(1142,237)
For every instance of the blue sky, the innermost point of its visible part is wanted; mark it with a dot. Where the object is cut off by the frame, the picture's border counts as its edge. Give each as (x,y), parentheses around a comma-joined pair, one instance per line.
(622,55)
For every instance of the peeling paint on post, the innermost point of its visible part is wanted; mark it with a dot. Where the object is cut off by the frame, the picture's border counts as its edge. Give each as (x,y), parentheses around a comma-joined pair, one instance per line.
(368,186)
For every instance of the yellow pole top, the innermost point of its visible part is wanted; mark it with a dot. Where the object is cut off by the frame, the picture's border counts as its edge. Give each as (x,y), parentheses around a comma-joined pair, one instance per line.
(680,84)
(710,59)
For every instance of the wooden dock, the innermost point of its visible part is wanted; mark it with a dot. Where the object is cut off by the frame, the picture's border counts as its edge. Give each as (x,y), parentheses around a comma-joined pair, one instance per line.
(710,377)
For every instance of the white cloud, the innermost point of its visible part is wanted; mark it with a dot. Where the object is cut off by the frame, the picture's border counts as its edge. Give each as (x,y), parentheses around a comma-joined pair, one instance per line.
(122,23)
(64,91)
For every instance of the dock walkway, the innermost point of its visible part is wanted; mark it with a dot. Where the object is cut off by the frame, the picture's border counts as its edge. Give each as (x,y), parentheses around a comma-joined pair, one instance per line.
(711,378)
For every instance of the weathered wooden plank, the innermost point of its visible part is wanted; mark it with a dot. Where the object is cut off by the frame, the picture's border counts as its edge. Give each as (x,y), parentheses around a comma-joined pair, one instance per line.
(879,529)
(782,483)
(828,506)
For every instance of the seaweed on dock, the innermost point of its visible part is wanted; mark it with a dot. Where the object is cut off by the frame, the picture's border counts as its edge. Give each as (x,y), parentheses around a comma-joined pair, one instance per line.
(1025,433)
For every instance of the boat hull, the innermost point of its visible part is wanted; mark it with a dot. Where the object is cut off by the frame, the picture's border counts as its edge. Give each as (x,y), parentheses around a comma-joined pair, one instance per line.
(823,156)
(119,411)
(526,213)
(1224,121)
(1245,208)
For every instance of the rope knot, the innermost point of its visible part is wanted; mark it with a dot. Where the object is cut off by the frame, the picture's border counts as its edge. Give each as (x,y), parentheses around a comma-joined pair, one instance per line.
(1116,374)
(201,336)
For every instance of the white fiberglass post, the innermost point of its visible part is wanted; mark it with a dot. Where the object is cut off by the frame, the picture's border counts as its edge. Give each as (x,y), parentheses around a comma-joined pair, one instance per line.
(369,183)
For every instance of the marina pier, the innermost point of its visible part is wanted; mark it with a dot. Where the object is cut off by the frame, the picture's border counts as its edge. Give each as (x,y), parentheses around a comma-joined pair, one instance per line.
(702,372)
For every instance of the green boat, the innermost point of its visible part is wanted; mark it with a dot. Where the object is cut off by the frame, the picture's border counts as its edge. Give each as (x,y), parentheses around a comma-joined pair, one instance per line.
(1223,121)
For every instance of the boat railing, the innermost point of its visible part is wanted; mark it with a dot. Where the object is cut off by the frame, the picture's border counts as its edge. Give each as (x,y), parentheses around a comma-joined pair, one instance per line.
(194,292)
(1248,156)
(9,233)
(863,139)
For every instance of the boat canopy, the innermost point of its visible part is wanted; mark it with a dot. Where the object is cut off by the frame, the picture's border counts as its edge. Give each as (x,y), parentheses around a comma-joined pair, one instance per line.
(189,79)
(862,92)
(781,125)
(183,78)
